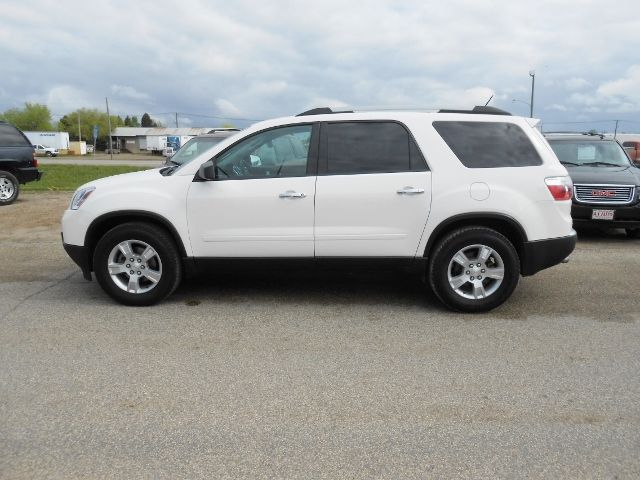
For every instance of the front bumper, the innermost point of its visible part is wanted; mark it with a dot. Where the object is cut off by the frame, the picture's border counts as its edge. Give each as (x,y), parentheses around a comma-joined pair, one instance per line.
(541,254)
(625,216)
(80,255)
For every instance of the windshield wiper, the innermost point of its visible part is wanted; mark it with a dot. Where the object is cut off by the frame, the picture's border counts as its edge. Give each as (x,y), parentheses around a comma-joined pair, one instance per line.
(570,163)
(606,164)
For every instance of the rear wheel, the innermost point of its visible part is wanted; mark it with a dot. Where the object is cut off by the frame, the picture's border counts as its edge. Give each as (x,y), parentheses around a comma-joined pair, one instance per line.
(137,264)
(9,188)
(474,269)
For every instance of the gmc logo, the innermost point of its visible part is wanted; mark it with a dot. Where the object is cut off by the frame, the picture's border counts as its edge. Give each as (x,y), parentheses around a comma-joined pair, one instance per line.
(603,193)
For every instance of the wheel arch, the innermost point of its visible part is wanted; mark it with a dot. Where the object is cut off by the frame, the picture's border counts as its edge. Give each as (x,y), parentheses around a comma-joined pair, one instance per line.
(106,222)
(10,169)
(504,224)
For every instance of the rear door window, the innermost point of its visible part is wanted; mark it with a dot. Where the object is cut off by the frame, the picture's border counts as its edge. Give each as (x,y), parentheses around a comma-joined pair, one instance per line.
(11,137)
(488,144)
(370,147)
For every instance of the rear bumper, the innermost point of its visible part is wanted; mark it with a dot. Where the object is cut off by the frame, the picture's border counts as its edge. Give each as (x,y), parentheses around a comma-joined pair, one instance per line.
(541,254)
(80,255)
(28,174)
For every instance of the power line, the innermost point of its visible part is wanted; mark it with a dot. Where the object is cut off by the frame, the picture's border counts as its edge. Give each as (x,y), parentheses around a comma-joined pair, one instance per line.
(218,117)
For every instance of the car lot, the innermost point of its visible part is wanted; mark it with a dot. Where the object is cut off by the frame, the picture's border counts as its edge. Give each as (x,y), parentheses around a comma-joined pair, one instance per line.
(290,375)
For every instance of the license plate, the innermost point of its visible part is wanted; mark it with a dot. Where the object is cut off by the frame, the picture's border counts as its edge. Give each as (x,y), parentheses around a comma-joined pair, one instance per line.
(602,215)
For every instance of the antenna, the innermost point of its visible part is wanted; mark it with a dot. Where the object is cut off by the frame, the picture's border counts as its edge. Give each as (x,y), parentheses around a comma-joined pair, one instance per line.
(490,98)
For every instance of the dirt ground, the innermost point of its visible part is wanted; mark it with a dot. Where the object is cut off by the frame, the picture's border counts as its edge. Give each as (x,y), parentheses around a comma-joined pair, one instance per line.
(30,232)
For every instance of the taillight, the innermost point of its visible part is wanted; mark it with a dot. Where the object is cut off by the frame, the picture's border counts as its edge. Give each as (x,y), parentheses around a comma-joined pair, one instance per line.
(35,162)
(561,188)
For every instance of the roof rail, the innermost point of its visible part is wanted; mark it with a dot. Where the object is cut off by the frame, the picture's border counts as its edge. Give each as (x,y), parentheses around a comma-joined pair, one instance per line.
(593,134)
(484,110)
(576,134)
(224,129)
(321,111)
(477,110)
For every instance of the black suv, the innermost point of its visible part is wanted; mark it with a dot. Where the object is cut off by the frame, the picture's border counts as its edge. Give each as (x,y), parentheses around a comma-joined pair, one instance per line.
(606,184)
(18,162)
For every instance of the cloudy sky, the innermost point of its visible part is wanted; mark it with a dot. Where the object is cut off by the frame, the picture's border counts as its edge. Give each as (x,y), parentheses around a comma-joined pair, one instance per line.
(241,61)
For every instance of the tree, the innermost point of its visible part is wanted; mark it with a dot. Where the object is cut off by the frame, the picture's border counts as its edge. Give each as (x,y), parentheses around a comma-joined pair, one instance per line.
(127,121)
(34,116)
(228,125)
(134,121)
(146,121)
(88,118)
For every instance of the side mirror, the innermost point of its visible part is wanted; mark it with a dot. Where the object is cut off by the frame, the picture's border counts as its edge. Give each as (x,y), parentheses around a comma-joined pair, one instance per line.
(207,171)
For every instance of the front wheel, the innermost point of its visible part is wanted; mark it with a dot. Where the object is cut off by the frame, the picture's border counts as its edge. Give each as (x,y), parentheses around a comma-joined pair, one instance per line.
(137,264)
(474,269)
(9,188)
(48,154)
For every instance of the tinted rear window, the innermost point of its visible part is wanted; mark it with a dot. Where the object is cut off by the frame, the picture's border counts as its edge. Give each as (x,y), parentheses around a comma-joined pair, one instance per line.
(371,147)
(489,144)
(11,137)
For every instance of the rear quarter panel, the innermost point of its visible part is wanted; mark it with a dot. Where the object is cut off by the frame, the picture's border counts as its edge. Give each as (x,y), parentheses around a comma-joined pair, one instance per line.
(516,192)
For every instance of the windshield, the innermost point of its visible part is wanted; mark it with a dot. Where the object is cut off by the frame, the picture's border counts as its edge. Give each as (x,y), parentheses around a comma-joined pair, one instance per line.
(589,153)
(193,148)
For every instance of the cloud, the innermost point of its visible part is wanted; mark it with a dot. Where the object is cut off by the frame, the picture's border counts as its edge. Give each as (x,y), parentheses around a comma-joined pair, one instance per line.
(620,95)
(575,83)
(627,87)
(259,60)
(324,102)
(128,92)
(66,98)
(226,108)
(557,107)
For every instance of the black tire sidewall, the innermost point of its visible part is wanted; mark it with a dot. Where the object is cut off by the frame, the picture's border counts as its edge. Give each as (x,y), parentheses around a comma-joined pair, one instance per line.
(456,241)
(161,241)
(16,187)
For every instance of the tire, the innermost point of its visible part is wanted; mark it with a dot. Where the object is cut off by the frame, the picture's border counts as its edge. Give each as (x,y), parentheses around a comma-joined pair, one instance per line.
(633,232)
(158,267)
(48,154)
(477,287)
(9,188)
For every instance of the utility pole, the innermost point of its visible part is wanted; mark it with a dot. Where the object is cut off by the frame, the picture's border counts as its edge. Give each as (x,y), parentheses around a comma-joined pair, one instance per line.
(79,131)
(532,74)
(176,119)
(616,130)
(109,121)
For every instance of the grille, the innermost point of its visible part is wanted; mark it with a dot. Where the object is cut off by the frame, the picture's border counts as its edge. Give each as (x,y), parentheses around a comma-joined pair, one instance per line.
(604,194)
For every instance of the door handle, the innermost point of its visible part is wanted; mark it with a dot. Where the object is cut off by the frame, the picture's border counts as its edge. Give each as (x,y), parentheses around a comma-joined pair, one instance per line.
(292,194)
(410,191)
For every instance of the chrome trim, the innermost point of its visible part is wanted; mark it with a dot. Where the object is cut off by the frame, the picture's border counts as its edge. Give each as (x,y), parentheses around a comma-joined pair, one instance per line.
(615,201)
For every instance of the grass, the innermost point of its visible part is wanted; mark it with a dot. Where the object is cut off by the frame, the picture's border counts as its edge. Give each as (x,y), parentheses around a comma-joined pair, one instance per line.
(69,177)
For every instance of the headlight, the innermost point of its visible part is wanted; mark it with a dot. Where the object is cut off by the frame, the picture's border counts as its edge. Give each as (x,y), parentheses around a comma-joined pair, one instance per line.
(80,196)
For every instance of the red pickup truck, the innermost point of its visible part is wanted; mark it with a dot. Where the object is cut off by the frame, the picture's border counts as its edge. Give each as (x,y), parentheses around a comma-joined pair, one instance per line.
(633,150)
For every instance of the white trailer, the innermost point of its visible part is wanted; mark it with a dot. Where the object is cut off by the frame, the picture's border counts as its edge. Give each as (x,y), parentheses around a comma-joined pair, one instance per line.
(59,140)
(156,143)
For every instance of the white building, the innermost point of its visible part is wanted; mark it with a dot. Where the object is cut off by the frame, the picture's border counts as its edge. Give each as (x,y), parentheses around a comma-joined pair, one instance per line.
(146,139)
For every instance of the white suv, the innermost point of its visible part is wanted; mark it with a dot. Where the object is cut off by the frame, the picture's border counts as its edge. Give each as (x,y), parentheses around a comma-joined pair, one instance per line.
(475,198)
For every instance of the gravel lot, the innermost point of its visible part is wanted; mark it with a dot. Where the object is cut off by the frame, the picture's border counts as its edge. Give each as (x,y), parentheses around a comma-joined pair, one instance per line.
(295,376)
